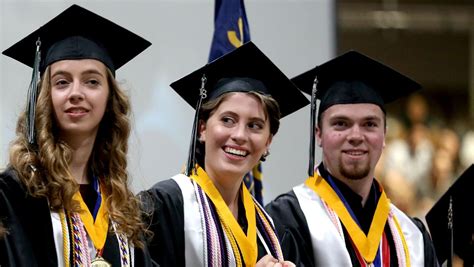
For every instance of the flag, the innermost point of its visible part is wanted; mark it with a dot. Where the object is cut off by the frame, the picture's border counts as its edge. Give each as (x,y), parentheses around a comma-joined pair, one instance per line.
(253,181)
(231,30)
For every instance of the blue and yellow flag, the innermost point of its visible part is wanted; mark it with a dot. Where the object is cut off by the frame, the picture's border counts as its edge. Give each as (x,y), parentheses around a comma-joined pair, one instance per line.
(253,181)
(231,30)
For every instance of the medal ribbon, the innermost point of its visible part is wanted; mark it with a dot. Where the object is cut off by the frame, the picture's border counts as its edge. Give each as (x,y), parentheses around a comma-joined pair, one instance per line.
(366,245)
(247,243)
(377,261)
(96,224)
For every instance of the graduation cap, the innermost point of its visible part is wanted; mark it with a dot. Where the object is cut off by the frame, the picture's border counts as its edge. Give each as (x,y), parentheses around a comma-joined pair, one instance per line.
(76,33)
(451,222)
(245,69)
(351,78)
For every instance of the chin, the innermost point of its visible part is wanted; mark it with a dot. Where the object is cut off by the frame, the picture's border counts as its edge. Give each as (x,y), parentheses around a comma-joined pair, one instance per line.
(234,170)
(355,172)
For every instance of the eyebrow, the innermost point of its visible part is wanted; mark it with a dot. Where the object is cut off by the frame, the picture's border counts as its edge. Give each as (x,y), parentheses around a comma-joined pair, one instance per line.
(372,118)
(262,119)
(89,71)
(366,118)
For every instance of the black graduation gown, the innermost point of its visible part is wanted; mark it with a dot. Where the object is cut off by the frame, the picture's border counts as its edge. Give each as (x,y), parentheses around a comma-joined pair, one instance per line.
(30,241)
(292,228)
(163,204)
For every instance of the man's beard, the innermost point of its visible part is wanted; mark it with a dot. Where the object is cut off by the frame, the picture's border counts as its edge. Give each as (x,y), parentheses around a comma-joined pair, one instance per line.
(354,171)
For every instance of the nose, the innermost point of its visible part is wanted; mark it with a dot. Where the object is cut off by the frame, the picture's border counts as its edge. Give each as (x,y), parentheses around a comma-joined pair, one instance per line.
(76,94)
(356,135)
(239,133)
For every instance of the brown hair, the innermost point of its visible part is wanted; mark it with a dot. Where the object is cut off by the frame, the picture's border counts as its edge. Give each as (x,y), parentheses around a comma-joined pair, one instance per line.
(44,170)
(3,231)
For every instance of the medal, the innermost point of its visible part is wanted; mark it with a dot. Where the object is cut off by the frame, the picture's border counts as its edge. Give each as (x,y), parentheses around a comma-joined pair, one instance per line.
(100,262)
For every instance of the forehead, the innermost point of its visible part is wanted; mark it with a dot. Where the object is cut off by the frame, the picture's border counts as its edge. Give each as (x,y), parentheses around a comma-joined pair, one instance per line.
(241,101)
(78,65)
(354,112)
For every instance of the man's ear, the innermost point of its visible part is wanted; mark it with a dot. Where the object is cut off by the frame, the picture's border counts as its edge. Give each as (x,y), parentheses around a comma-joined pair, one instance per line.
(318,136)
(202,131)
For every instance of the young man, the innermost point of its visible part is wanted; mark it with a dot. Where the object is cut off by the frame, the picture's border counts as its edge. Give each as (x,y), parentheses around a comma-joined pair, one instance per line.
(341,216)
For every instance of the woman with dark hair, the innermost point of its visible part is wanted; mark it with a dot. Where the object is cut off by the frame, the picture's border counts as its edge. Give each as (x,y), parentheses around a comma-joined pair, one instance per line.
(64,198)
(206,216)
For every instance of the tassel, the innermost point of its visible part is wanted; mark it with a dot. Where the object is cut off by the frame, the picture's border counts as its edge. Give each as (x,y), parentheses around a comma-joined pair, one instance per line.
(33,92)
(451,233)
(192,147)
(312,127)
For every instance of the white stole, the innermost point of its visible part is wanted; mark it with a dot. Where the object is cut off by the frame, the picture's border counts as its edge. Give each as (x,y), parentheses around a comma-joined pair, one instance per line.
(194,241)
(195,245)
(329,248)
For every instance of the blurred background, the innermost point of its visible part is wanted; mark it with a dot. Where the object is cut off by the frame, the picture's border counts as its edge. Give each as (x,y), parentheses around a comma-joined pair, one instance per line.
(430,138)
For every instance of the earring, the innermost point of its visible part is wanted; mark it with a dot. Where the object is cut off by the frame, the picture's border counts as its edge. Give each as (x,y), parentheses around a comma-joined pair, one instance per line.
(265,155)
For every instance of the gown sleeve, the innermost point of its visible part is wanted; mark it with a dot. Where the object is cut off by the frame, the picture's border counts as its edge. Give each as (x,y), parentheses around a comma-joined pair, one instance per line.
(164,218)
(292,229)
(27,220)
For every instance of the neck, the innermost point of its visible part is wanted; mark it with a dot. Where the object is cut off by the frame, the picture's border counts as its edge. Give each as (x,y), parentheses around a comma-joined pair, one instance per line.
(81,152)
(359,186)
(229,188)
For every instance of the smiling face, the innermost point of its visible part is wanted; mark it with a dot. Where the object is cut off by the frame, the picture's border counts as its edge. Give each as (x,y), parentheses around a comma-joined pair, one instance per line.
(79,93)
(236,135)
(352,137)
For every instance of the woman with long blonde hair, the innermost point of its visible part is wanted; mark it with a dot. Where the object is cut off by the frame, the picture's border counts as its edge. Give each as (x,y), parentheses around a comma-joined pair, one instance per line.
(64,198)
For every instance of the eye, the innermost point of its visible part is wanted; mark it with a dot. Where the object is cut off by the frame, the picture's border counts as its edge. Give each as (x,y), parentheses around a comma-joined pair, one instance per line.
(256,125)
(93,82)
(61,83)
(339,124)
(371,124)
(228,121)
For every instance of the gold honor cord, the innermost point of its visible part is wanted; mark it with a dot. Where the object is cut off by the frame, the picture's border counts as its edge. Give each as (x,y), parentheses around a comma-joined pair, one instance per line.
(366,245)
(97,230)
(404,242)
(247,242)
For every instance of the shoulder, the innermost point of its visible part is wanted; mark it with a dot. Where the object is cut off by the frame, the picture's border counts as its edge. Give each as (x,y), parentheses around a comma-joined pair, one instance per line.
(283,204)
(292,228)
(10,184)
(162,202)
(283,201)
(165,186)
(166,191)
(286,212)
(164,217)
(415,231)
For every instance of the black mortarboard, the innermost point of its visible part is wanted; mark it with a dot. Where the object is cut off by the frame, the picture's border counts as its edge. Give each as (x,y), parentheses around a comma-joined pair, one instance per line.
(242,70)
(454,212)
(350,79)
(76,33)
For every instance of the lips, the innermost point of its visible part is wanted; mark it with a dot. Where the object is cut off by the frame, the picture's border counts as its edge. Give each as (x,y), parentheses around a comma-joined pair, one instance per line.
(236,151)
(76,110)
(355,152)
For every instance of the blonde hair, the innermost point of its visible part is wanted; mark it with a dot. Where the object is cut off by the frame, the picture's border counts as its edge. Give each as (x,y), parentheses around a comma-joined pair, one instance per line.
(44,168)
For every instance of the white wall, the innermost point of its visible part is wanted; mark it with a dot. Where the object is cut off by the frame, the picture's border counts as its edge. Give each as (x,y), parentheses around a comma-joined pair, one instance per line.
(295,34)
